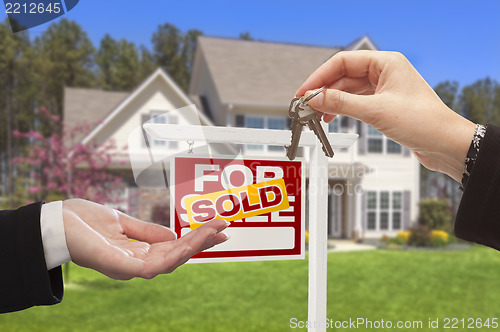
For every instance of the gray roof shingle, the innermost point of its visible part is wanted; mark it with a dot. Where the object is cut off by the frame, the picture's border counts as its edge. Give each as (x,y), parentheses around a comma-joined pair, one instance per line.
(88,107)
(260,73)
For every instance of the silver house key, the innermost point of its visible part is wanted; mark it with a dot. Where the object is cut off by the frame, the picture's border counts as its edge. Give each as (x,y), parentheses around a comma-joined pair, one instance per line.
(302,114)
(296,126)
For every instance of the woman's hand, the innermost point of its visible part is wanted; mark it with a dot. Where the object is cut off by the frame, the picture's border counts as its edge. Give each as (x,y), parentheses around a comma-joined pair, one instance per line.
(385,91)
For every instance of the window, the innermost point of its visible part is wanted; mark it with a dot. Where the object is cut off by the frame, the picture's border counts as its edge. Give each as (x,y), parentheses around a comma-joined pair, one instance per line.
(375,140)
(265,122)
(345,123)
(371,208)
(341,124)
(333,127)
(276,123)
(164,118)
(378,143)
(254,122)
(384,210)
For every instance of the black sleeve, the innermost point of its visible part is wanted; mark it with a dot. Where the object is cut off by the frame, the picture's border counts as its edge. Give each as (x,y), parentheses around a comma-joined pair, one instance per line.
(24,279)
(478,216)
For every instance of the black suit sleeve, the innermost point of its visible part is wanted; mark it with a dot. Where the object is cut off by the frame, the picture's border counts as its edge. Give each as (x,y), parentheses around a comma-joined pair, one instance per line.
(478,217)
(24,279)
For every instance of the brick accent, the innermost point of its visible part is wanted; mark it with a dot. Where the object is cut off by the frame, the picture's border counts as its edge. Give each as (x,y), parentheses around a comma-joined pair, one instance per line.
(148,199)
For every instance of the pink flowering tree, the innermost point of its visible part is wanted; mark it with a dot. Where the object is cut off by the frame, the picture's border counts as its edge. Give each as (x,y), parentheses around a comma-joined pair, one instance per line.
(58,169)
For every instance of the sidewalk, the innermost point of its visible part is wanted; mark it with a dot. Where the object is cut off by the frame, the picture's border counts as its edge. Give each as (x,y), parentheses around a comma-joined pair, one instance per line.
(335,245)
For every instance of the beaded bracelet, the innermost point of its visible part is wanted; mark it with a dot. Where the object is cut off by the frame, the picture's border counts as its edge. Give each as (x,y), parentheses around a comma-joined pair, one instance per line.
(475,145)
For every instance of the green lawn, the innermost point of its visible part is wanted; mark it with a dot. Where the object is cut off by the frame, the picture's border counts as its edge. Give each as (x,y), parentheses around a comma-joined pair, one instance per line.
(264,296)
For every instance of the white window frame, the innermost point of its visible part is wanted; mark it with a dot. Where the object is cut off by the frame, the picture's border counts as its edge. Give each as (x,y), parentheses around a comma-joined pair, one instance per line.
(249,148)
(169,118)
(385,142)
(390,210)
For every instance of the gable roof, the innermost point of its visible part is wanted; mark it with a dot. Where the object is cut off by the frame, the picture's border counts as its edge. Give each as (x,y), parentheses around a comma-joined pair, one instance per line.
(260,73)
(362,43)
(113,112)
(88,107)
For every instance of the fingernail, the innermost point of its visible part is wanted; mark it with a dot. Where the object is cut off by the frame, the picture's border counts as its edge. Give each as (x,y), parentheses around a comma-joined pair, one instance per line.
(228,223)
(317,101)
(227,236)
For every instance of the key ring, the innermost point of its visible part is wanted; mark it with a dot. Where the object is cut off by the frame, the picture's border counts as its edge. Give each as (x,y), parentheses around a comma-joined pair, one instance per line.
(314,94)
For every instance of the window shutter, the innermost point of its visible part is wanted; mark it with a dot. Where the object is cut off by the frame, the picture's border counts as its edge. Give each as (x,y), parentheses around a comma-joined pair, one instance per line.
(362,138)
(240,120)
(363,211)
(406,209)
(144,119)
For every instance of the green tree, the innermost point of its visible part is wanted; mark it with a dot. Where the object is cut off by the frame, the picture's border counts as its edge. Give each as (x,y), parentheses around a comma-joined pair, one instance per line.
(147,63)
(447,91)
(246,36)
(187,53)
(118,64)
(480,102)
(66,55)
(105,58)
(174,51)
(435,214)
(16,102)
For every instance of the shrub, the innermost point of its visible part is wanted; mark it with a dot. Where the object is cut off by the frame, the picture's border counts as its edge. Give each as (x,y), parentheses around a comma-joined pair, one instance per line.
(452,239)
(439,235)
(435,214)
(420,236)
(395,240)
(438,242)
(404,236)
(384,238)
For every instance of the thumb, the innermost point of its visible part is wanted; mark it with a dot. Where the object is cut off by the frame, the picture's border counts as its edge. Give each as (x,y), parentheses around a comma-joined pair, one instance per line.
(336,102)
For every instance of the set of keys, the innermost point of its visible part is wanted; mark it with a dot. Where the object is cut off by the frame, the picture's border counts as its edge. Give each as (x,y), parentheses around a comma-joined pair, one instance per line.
(302,114)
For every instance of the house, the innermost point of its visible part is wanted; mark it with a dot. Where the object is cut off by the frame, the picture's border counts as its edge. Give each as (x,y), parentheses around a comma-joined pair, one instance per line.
(118,117)
(373,185)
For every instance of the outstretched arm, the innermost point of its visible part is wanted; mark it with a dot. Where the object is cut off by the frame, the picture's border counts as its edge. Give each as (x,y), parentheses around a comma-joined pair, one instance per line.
(98,237)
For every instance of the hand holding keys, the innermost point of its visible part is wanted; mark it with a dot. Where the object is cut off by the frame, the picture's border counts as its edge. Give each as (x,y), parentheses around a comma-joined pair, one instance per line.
(302,114)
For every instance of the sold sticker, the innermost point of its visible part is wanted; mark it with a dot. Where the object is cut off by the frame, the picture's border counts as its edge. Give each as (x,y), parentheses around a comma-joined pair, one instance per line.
(237,203)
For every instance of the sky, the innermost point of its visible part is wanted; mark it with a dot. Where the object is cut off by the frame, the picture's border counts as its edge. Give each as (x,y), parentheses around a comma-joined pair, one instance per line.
(445,40)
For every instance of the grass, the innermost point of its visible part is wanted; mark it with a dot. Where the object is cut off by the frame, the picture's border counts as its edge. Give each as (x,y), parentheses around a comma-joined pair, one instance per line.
(264,296)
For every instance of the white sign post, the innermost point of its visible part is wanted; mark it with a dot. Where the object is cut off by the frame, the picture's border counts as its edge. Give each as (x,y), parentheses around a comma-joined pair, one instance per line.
(318,191)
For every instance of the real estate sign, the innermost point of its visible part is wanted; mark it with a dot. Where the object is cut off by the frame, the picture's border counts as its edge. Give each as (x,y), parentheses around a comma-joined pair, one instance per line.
(262,198)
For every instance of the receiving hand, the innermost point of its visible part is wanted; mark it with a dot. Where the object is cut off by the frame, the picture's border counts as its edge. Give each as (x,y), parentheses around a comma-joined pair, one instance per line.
(385,91)
(98,237)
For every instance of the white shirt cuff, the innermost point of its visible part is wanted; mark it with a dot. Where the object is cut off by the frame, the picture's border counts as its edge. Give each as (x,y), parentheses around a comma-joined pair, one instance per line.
(53,238)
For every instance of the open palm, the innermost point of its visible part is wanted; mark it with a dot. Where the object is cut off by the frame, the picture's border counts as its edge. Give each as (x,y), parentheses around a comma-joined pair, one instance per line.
(99,237)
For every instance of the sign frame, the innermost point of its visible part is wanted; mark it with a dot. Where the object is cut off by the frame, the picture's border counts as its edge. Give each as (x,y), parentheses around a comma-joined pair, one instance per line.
(249,258)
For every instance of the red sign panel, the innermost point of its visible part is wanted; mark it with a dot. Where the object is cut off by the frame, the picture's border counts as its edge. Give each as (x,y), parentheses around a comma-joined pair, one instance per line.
(278,234)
